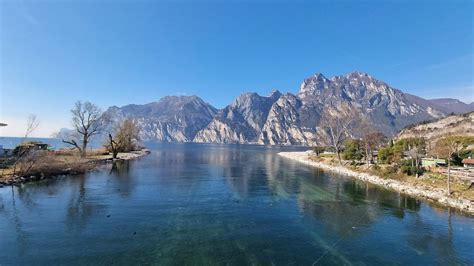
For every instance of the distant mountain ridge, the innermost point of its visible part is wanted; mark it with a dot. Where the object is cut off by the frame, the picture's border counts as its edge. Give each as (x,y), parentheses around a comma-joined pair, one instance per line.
(450,105)
(171,119)
(285,119)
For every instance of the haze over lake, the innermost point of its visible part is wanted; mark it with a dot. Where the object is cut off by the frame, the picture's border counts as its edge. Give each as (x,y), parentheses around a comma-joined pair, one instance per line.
(223,204)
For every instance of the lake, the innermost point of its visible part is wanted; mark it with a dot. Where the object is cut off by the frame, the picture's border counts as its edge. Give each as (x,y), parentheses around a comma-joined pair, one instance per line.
(199,204)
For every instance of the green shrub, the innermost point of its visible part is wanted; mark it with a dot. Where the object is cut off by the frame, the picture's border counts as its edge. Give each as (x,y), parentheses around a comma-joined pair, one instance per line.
(407,168)
(352,150)
(385,155)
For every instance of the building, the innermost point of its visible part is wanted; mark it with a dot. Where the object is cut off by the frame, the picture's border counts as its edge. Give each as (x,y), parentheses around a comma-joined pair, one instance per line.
(31,146)
(432,162)
(468,163)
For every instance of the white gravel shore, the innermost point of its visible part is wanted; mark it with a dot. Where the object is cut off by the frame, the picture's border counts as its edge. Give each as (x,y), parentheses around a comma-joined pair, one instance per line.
(419,191)
(123,155)
(133,154)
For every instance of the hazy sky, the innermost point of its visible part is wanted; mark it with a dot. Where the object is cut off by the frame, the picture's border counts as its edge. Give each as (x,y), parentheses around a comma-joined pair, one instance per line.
(54,53)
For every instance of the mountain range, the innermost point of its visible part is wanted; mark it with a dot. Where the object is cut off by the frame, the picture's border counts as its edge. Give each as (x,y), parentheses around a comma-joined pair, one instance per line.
(285,119)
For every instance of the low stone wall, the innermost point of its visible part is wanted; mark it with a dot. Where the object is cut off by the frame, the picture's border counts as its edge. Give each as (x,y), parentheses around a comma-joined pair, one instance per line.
(419,191)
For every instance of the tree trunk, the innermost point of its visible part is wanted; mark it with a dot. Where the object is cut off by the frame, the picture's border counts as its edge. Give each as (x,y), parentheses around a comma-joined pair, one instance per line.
(113,147)
(416,168)
(84,147)
(367,157)
(339,157)
(449,177)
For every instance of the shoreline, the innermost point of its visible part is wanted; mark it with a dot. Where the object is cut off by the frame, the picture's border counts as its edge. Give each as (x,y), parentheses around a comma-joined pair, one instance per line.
(89,164)
(432,194)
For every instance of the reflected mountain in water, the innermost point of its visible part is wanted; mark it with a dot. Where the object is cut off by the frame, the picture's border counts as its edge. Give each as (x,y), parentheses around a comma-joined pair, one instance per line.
(223,204)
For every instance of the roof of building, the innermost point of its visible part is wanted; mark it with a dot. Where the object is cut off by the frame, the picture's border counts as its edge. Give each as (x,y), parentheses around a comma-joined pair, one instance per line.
(468,161)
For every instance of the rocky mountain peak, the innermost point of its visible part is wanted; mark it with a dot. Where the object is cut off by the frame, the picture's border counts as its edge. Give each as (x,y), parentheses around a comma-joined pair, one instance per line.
(245,99)
(179,99)
(319,76)
(311,84)
(285,118)
(172,118)
(274,94)
(351,86)
(239,122)
(358,78)
(358,74)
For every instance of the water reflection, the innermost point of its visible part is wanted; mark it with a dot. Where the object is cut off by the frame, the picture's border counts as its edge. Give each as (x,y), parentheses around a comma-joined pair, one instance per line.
(119,178)
(120,168)
(18,224)
(82,206)
(217,204)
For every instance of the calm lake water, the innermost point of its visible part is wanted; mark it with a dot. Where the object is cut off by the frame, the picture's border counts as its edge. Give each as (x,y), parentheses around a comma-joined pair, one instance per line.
(191,204)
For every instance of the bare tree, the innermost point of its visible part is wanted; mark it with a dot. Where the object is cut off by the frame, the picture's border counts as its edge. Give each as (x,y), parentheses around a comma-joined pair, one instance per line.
(30,160)
(23,153)
(371,140)
(87,121)
(31,124)
(337,129)
(448,146)
(415,155)
(126,137)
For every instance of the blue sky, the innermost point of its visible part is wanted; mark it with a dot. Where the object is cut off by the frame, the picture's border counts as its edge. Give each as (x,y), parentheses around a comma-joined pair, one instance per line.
(54,53)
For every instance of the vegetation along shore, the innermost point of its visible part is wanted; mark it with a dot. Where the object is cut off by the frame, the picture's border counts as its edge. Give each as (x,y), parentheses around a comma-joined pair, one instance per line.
(32,160)
(427,187)
(56,163)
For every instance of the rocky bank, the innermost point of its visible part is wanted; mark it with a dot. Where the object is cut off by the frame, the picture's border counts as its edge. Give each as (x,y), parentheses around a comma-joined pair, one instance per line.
(419,191)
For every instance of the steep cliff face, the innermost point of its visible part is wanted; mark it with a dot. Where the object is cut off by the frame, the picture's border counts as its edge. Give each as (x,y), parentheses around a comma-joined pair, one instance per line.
(240,122)
(171,119)
(285,119)
(284,126)
(295,119)
(385,107)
